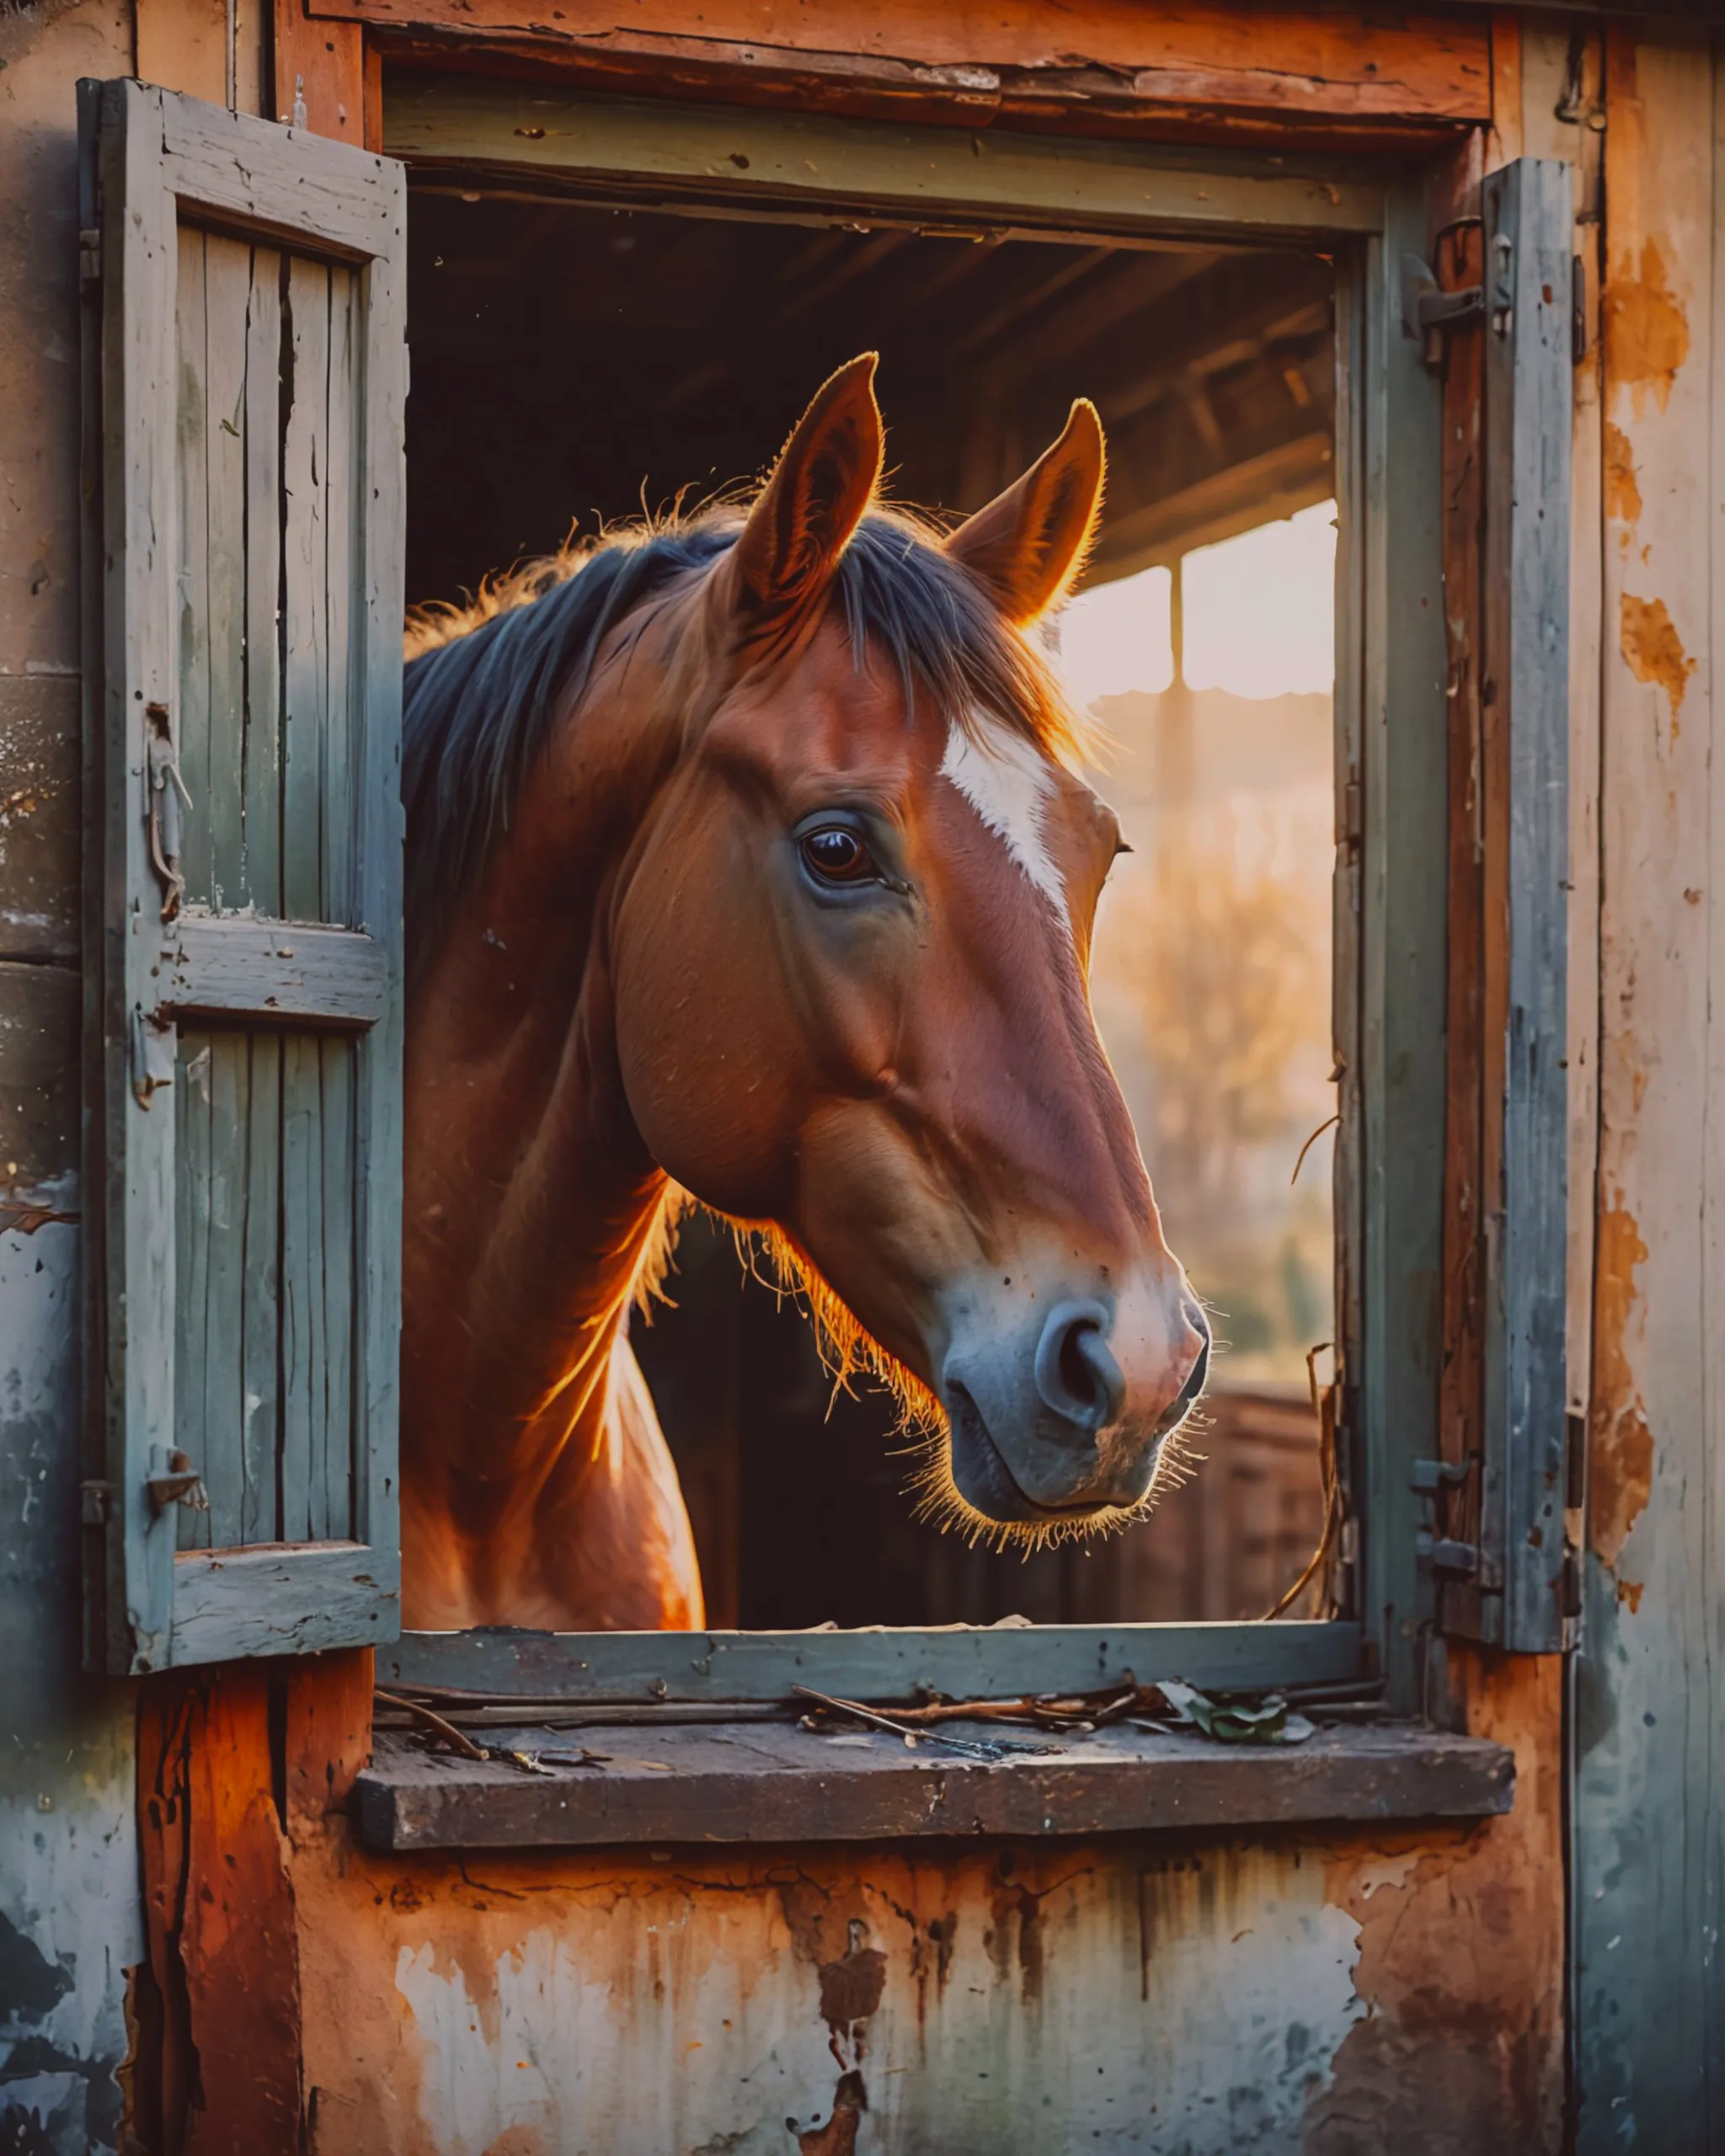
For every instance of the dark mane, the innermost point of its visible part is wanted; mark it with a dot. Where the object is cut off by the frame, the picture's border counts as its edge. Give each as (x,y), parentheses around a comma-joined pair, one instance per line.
(485,683)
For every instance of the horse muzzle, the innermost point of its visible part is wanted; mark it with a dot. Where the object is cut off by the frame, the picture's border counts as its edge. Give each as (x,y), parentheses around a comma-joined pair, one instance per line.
(1068,1416)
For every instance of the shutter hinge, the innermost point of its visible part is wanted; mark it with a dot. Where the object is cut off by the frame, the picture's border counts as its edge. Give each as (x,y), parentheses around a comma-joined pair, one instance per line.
(89,255)
(1429,314)
(182,1485)
(1427,1477)
(98,1503)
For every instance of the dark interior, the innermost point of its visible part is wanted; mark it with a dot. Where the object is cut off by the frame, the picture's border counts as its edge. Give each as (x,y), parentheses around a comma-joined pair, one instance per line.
(574,365)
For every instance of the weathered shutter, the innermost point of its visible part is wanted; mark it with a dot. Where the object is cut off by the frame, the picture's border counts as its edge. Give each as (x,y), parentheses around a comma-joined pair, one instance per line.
(1501,1559)
(245,379)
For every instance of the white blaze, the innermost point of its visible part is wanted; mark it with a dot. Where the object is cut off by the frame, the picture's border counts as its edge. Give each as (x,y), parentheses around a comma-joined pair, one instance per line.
(1007,780)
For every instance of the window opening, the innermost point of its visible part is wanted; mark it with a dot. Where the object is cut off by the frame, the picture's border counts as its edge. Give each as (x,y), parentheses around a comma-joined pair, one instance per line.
(582,363)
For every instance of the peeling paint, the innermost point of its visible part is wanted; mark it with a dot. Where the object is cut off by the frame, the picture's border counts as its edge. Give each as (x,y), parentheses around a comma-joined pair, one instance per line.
(1645,329)
(1621,1456)
(1649,639)
(1460,1950)
(1187,1998)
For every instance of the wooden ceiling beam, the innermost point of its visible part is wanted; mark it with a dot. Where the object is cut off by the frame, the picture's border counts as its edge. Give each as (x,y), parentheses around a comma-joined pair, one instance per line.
(1250,69)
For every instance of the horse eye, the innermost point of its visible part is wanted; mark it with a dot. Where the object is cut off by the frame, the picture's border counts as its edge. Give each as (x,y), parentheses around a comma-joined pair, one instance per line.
(836,855)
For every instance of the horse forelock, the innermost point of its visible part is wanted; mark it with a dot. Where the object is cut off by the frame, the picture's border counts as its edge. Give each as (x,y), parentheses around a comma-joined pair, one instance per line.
(486,681)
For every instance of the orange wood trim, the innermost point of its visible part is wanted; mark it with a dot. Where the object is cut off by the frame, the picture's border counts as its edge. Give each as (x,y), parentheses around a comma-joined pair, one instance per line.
(219,1919)
(373,95)
(323,65)
(1505,139)
(1460,262)
(1114,63)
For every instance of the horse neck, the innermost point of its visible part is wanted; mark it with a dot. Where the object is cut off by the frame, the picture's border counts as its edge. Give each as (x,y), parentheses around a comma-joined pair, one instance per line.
(530,1197)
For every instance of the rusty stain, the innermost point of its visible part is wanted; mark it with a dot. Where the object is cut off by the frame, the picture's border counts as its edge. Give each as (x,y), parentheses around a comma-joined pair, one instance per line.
(1644,327)
(851,1989)
(1460,1949)
(1647,637)
(1620,1464)
(1622,490)
(1629,1592)
(838,2136)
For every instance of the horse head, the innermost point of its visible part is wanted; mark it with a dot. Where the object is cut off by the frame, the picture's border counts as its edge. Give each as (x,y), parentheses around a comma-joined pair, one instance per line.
(848,950)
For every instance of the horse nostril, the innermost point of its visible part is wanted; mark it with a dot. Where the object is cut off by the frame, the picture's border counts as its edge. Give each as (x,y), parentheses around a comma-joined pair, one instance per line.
(1075,1370)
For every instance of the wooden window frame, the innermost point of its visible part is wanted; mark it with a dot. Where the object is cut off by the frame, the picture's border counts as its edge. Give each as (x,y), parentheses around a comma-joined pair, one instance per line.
(544,140)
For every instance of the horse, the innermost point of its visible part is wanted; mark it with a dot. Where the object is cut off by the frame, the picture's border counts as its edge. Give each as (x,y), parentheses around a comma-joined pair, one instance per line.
(749,866)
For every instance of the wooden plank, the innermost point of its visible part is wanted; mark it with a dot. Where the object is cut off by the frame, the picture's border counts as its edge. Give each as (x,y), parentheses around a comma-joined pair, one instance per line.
(217,1896)
(280,1599)
(305,458)
(293,187)
(197,1229)
(227,270)
(333,1507)
(342,600)
(256,1279)
(134,1339)
(283,972)
(1255,59)
(757,1782)
(884,1663)
(302,1418)
(307,751)
(1074,188)
(1649,1898)
(319,74)
(1353,496)
(1403,936)
(1462,1400)
(1528,223)
(191,708)
(382,527)
(261,751)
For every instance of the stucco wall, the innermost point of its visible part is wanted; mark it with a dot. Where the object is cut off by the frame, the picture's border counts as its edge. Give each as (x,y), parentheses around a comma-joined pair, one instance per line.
(69,1922)
(1184,1994)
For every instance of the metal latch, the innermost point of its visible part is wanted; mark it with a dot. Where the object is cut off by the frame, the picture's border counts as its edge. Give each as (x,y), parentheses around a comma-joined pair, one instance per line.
(1429,314)
(89,255)
(1459,1560)
(155,1050)
(1430,1478)
(182,1485)
(167,792)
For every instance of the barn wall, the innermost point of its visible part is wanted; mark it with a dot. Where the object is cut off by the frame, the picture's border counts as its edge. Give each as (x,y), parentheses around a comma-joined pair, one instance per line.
(1650,1878)
(69,1921)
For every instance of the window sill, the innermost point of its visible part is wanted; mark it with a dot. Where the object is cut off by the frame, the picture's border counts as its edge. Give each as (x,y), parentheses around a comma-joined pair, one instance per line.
(777,1782)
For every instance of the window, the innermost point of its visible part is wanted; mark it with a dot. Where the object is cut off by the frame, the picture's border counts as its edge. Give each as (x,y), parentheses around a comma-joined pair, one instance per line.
(740,198)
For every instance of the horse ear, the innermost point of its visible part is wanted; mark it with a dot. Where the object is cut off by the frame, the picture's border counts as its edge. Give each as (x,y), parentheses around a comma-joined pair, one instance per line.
(823,483)
(1028,545)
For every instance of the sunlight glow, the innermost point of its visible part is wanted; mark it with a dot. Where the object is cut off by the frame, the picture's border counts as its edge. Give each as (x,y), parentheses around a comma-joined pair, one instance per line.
(1259,616)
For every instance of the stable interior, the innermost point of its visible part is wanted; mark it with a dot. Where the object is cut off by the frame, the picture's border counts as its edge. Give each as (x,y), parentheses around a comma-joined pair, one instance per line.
(574,365)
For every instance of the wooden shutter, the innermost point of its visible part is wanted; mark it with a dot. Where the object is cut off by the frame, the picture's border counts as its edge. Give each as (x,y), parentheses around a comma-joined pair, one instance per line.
(244,384)
(1500,1493)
